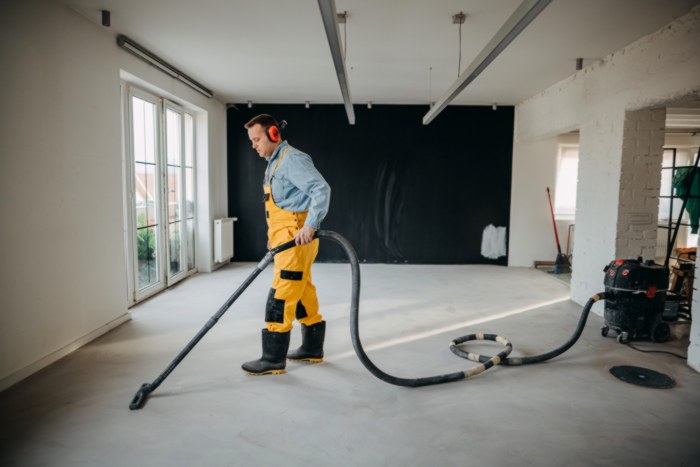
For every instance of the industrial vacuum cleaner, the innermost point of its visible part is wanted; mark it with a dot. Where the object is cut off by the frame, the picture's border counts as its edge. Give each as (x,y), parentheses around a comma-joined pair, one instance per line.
(635,295)
(634,299)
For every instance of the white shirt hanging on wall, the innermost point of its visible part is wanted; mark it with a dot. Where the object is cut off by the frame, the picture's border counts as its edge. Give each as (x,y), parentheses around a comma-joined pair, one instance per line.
(493,242)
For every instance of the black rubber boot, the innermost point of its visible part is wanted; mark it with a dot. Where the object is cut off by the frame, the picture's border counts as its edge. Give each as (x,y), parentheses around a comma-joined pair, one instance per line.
(311,349)
(272,362)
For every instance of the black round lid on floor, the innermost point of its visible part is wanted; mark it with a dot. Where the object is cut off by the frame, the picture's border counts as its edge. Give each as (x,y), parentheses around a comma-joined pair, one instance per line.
(642,377)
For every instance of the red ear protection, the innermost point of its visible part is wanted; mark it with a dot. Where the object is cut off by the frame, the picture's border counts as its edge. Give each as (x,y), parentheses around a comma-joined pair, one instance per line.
(273,133)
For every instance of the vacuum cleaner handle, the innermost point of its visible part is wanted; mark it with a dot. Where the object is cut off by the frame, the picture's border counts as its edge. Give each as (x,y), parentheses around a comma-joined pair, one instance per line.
(141,396)
(287,245)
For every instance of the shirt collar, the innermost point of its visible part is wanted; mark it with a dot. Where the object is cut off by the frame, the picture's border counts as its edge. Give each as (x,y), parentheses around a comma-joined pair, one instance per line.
(278,151)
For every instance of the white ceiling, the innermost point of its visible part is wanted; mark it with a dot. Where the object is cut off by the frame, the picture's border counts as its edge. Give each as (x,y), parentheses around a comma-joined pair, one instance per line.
(275,51)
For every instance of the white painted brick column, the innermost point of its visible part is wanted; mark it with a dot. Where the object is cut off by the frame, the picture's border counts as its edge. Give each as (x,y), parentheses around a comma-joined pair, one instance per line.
(597,196)
(640,182)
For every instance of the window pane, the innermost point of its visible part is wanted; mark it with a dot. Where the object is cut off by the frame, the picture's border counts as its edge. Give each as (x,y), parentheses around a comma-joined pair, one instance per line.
(567,179)
(190,244)
(147,248)
(189,192)
(189,140)
(140,194)
(174,193)
(664,209)
(173,131)
(138,133)
(144,134)
(144,194)
(149,184)
(666,185)
(174,246)
(677,204)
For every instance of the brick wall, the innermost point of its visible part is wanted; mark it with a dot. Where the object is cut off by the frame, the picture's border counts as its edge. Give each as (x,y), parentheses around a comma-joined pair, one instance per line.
(640,181)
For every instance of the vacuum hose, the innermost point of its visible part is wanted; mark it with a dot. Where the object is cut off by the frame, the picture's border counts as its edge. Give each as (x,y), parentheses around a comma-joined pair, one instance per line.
(486,361)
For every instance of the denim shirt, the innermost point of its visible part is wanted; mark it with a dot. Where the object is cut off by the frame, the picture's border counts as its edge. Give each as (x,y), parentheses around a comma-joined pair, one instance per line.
(297,186)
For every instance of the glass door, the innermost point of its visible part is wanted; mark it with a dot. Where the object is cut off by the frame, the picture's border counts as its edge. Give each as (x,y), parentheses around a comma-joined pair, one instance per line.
(189,191)
(162,215)
(176,188)
(144,113)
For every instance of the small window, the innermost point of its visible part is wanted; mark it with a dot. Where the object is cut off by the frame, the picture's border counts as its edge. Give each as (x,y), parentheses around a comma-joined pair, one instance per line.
(567,179)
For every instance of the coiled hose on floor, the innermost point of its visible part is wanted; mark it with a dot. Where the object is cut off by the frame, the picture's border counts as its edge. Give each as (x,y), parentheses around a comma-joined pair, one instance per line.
(486,362)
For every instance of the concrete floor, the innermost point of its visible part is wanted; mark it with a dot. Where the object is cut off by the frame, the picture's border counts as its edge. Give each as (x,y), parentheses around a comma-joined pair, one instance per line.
(567,412)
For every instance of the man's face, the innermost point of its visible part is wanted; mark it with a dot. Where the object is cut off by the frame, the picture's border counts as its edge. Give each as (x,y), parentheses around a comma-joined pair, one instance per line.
(260,141)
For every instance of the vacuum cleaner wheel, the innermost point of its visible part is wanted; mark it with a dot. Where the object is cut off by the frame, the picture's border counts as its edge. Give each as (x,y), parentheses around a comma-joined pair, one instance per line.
(660,331)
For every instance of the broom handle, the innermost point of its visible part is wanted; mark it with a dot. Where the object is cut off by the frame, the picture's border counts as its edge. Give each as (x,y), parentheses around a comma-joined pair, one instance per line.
(551,209)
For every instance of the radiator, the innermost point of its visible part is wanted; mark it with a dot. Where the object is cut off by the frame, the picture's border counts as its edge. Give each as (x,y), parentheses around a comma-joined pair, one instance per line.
(223,239)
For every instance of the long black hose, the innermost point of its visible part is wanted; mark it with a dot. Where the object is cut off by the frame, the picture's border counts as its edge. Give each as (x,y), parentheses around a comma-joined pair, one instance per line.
(486,362)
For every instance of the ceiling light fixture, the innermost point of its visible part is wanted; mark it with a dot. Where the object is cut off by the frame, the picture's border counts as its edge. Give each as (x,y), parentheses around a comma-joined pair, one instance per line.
(518,21)
(330,23)
(151,58)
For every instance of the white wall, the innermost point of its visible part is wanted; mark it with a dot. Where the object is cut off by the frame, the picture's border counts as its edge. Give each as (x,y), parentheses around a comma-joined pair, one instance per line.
(531,231)
(650,72)
(62,240)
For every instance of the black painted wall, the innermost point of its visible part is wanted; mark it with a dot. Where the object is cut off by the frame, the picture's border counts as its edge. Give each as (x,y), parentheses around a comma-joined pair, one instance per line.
(402,192)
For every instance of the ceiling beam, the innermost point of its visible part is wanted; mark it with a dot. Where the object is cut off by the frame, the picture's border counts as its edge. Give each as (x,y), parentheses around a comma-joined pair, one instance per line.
(330,23)
(518,21)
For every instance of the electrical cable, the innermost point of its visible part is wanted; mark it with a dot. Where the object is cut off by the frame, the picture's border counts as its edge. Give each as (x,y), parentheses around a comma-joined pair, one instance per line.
(656,351)
(459,60)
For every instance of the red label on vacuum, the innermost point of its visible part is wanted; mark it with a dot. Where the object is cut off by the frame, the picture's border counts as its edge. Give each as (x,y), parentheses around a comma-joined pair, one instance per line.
(625,272)
(651,291)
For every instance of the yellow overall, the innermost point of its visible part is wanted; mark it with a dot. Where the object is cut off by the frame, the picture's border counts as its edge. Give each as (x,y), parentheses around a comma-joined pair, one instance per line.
(292,294)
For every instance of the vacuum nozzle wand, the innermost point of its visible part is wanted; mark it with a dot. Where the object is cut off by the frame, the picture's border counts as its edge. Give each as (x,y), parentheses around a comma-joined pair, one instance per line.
(140,397)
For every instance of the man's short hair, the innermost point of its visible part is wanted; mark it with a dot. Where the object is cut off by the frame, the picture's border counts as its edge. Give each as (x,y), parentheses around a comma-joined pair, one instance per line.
(265,120)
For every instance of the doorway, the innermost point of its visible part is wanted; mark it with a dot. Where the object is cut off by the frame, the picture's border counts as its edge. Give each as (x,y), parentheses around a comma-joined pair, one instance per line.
(160,193)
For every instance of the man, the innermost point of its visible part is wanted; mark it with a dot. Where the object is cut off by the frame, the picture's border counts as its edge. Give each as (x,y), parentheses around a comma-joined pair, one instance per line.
(296,200)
